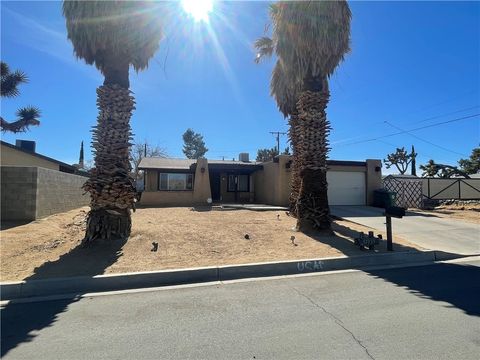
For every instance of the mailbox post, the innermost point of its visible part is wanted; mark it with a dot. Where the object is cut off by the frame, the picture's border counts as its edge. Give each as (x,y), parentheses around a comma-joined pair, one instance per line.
(393,211)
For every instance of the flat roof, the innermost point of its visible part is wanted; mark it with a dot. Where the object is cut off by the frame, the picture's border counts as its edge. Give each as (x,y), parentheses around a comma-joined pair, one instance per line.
(190,164)
(166,163)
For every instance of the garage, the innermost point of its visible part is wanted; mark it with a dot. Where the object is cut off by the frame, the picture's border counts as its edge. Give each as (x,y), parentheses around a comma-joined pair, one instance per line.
(346,188)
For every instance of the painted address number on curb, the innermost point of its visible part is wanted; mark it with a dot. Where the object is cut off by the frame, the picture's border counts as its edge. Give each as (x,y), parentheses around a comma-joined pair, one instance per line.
(316,265)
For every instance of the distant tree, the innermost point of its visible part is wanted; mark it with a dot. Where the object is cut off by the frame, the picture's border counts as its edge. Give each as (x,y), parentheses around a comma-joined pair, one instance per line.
(194,146)
(264,155)
(81,159)
(472,164)
(286,151)
(431,169)
(27,116)
(400,158)
(138,152)
(413,154)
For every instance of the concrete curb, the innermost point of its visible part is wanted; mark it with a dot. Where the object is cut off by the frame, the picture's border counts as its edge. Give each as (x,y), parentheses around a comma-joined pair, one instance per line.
(113,282)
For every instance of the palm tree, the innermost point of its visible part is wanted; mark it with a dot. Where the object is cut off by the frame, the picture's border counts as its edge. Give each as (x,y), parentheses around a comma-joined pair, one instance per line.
(112,35)
(310,39)
(27,116)
(286,96)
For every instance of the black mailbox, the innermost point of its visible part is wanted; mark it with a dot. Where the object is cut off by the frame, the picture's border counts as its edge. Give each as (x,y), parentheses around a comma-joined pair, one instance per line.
(395,211)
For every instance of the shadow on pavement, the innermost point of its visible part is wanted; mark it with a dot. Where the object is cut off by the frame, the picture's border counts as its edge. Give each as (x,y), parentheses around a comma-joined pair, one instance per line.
(456,284)
(20,320)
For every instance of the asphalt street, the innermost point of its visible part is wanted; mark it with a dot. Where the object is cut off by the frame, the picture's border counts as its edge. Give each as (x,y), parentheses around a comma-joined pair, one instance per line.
(423,312)
(429,231)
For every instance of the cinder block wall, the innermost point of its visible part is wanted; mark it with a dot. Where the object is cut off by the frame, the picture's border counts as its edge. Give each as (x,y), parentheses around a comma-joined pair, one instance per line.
(19,192)
(58,191)
(30,193)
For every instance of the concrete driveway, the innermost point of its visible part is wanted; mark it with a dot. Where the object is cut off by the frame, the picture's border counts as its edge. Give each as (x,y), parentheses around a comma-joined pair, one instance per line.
(426,230)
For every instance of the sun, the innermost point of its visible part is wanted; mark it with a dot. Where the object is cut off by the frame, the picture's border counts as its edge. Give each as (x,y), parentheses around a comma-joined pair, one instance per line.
(198,9)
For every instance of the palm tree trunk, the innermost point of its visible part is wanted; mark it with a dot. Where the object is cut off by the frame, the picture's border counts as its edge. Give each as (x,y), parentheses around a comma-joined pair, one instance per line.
(110,185)
(312,204)
(293,134)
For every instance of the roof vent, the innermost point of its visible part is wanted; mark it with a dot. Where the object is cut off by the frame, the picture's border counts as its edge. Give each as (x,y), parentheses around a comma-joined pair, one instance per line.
(25,145)
(243,157)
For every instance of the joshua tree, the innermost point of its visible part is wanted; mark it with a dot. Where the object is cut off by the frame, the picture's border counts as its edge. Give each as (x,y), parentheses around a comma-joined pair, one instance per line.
(27,116)
(401,159)
(112,35)
(310,39)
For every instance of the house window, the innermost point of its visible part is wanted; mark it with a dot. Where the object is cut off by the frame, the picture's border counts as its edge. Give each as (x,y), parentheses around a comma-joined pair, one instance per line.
(175,182)
(238,183)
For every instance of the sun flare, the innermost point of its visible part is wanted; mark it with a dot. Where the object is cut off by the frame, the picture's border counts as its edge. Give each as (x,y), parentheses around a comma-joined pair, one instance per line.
(198,9)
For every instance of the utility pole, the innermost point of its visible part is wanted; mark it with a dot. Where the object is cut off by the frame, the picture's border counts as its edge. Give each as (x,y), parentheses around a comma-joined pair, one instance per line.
(277,135)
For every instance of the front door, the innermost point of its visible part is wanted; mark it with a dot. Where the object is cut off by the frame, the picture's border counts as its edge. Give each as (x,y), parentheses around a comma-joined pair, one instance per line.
(215,185)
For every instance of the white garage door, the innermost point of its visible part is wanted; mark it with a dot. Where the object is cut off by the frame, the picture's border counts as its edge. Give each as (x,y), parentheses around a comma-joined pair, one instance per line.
(346,188)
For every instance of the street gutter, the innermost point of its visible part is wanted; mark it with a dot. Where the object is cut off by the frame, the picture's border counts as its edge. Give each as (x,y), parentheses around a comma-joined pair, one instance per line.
(76,286)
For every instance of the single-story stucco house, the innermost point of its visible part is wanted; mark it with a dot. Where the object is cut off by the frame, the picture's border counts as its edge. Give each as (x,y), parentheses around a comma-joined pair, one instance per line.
(189,182)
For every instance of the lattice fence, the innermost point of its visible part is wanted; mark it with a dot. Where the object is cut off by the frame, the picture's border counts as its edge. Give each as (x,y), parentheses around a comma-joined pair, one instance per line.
(408,190)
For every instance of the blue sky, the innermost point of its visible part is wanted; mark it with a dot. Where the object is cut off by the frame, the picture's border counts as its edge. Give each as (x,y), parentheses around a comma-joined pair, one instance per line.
(412,64)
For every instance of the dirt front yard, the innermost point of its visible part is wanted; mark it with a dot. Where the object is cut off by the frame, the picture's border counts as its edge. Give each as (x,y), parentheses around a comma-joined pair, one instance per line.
(186,238)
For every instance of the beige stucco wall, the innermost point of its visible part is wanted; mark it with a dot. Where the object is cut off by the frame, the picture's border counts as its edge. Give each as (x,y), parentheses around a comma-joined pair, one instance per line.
(272,184)
(374,178)
(201,185)
(201,189)
(9,156)
(167,198)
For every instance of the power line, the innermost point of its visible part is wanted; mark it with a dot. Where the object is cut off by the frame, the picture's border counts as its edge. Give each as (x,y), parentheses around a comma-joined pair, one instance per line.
(426,141)
(451,113)
(410,122)
(415,129)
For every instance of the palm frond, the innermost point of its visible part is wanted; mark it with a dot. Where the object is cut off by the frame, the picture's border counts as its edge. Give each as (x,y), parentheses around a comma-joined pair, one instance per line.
(264,47)
(128,29)
(284,90)
(311,38)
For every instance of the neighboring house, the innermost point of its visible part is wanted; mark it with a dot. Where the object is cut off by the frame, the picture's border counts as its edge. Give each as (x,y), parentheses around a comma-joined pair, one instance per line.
(185,182)
(34,185)
(23,154)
